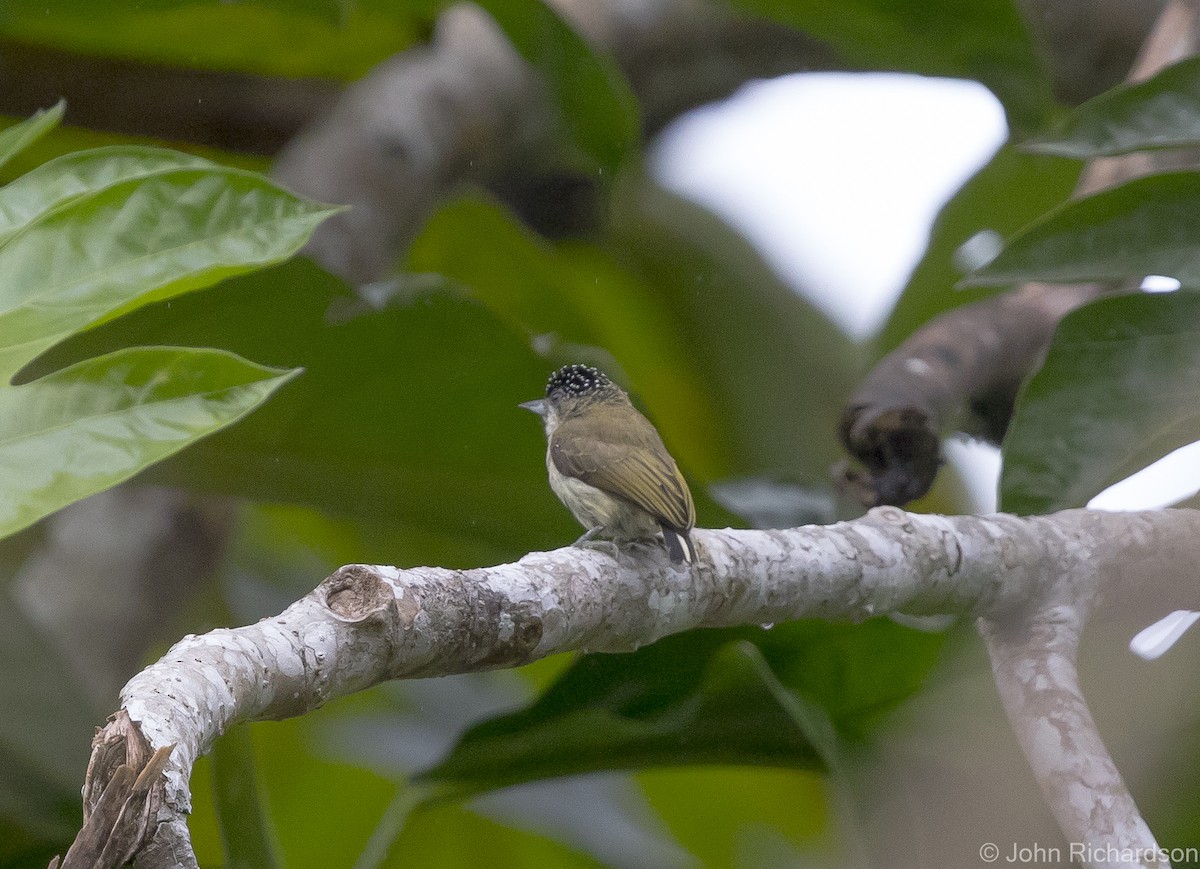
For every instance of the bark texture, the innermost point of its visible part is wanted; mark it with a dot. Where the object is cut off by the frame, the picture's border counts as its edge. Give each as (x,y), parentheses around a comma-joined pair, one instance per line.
(1031,582)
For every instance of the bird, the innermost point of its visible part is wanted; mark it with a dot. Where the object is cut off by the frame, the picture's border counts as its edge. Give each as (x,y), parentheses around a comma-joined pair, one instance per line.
(608,465)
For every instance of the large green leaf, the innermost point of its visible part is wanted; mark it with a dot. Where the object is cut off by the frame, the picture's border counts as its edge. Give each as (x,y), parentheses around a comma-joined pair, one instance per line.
(1149,226)
(777,697)
(1117,391)
(85,238)
(986,40)
(1005,195)
(1161,112)
(123,244)
(80,174)
(856,674)
(88,427)
(598,106)
(681,701)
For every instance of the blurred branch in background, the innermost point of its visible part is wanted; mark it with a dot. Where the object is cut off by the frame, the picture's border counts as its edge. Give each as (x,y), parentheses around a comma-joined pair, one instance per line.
(466,106)
(232,111)
(960,372)
(144,551)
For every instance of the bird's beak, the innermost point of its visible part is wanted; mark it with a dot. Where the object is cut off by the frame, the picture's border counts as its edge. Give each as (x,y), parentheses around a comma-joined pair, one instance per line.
(538,406)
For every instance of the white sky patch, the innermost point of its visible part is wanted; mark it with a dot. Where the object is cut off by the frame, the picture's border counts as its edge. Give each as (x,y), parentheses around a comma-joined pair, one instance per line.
(1168,481)
(978,462)
(835,177)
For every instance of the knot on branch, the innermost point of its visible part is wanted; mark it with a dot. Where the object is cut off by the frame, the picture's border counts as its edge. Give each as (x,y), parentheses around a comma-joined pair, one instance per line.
(356,593)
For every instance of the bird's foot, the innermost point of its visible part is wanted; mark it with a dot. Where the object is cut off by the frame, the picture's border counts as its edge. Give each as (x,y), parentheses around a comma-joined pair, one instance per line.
(587,541)
(587,536)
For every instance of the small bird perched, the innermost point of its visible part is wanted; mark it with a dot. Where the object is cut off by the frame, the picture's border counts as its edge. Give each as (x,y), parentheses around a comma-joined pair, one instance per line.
(608,465)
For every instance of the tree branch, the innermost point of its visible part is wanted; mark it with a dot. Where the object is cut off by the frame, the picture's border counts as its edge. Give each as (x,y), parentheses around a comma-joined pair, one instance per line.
(233,111)
(365,624)
(468,108)
(1038,682)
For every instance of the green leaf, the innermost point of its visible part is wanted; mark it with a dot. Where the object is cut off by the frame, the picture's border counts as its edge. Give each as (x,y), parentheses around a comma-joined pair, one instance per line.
(81,173)
(329,39)
(987,41)
(1005,195)
(245,828)
(1117,391)
(85,238)
(581,297)
(691,699)
(1161,112)
(123,237)
(769,697)
(1148,226)
(597,104)
(88,427)
(20,136)
(674,300)
(856,674)
(43,750)
(813,721)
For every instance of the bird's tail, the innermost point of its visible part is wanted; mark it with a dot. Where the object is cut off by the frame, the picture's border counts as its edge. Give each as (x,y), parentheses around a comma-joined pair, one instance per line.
(679,546)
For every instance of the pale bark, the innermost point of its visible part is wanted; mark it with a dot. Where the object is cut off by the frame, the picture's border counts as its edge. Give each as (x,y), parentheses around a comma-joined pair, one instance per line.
(1030,581)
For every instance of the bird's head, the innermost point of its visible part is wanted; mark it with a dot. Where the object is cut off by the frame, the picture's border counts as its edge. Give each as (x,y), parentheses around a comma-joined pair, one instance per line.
(571,390)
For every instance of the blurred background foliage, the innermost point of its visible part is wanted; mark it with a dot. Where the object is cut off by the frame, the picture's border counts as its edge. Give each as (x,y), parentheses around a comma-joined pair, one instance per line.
(401,443)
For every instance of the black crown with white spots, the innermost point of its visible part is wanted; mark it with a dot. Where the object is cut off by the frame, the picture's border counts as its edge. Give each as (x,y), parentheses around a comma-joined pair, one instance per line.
(576,381)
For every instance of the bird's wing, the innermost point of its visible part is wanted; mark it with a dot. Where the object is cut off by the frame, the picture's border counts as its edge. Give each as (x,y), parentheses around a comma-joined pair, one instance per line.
(631,463)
